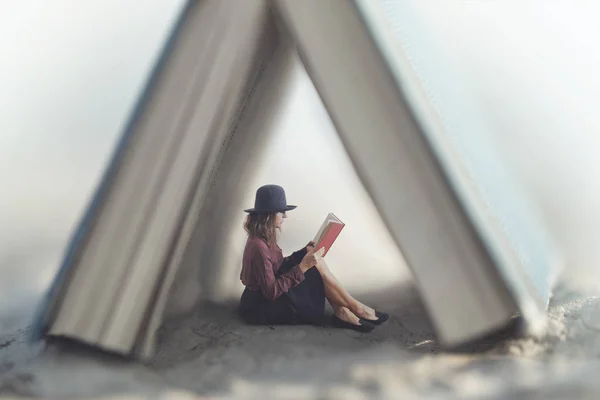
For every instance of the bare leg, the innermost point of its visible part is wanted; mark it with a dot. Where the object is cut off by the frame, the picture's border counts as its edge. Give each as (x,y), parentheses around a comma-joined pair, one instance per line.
(336,294)
(345,314)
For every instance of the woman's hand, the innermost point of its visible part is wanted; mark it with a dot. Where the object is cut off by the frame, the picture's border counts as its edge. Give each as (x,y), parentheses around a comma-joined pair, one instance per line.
(311,259)
(310,246)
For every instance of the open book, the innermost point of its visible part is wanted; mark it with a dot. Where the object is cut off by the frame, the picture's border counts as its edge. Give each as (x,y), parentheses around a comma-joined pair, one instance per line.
(478,254)
(329,231)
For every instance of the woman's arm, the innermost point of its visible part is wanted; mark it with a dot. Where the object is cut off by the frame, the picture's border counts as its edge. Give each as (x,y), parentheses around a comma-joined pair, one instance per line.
(272,287)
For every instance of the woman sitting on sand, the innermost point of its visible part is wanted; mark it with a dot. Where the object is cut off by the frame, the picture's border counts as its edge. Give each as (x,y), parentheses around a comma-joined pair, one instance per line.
(291,290)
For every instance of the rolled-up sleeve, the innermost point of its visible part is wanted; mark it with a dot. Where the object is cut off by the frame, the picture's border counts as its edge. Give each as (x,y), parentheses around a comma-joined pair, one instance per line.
(272,287)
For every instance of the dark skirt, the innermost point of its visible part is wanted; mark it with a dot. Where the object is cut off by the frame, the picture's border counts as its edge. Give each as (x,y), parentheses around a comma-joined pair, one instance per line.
(301,305)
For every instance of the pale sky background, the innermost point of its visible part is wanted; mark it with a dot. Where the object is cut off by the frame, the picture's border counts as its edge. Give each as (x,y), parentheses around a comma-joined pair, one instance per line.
(72,69)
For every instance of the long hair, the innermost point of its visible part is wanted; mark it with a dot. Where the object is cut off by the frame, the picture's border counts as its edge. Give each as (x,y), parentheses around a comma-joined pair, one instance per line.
(262,226)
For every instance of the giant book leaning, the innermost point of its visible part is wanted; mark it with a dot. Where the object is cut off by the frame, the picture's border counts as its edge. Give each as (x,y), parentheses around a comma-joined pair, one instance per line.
(111,289)
(479,254)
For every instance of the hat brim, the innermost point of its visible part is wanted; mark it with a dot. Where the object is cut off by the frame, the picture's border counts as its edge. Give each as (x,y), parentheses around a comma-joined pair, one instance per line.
(255,211)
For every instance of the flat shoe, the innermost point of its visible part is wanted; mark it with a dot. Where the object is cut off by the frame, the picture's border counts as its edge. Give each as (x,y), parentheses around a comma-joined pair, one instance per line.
(364,326)
(381,318)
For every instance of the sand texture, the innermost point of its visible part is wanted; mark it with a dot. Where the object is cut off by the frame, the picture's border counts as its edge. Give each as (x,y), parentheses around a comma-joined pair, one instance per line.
(212,354)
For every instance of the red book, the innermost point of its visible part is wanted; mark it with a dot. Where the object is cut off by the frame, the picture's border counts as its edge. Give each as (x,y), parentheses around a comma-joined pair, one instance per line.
(328,233)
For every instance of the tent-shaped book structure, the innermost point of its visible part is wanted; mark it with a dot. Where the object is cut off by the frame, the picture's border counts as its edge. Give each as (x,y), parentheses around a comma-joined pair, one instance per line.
(478,254)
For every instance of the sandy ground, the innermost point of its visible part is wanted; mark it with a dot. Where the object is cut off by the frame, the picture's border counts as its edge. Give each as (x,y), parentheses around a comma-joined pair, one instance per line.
(211,353)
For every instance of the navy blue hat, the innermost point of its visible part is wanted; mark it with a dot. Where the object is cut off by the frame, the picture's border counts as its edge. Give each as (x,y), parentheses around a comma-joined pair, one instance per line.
(270,199)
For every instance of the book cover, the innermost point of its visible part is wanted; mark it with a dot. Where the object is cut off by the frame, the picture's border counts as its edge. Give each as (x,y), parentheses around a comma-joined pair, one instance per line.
(328,233)
(490,191)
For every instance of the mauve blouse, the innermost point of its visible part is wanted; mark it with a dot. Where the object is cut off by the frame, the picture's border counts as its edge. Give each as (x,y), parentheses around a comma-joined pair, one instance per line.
(260,266)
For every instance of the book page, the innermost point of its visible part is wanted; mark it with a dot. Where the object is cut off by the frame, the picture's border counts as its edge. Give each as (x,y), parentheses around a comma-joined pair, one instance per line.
(322,230)
(329,219)
(323,234)
(333,219)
